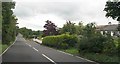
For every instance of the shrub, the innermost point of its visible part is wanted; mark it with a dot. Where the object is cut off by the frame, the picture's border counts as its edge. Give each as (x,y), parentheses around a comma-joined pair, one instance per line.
(92,44)
(118,48)
(63,41)
(111,46)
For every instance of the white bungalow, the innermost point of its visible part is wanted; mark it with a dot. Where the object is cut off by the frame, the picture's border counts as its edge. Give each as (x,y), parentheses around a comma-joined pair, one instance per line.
(109,29)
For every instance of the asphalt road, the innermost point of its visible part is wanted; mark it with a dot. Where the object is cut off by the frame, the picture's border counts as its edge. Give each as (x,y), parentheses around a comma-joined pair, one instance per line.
(29,51)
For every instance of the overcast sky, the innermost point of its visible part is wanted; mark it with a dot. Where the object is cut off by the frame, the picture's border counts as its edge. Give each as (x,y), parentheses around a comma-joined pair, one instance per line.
(33,13)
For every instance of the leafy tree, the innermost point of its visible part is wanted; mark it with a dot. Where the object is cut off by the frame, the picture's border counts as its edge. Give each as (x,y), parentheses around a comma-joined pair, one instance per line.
(50,28)
(69,27)
(25,32)
(0,21)
(113,10)
(91,40)
(79,28)
(8,22)
(28,33)
(37,32)
(89,30)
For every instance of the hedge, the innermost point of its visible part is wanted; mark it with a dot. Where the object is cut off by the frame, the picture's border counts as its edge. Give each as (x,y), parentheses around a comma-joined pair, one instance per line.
(63,41)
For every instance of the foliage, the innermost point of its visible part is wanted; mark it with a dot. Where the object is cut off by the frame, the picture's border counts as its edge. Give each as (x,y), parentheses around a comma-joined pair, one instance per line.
(0,18)
(72,51)
(101,58)
(8,22)
(97,57)
(113,10)
(4,47)
(89,30)
(79,28)
(69,27)
(28,33)
(110,46)
(91,40)
(92,44)
(118,47)
(51,29)
(60,41)
(94,41)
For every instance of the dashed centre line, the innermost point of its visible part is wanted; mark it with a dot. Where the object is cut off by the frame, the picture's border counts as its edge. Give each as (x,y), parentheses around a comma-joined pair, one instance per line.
(35,49)
(29,45)
(48,58)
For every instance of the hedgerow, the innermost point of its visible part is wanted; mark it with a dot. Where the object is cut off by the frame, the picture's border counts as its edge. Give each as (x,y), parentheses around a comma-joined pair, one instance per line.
(63,41)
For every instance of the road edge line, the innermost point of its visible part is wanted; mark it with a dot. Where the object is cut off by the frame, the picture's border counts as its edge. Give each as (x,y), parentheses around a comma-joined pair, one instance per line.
(49,58)
(72,54)
(8,47)
(77,56)
(66,53)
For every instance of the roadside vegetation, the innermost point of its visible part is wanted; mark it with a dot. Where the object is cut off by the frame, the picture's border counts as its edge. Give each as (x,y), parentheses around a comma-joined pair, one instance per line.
(87,43)
(63,41)
(82,40)
(28,33)
(8,28)
(0,27)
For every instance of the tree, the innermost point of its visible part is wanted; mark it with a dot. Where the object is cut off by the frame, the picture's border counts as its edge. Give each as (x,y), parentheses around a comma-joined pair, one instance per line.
(69,27)
(8,22)
(113,10)
(27,33)
(50,28)
(79,28)
(91,40)
(89,30)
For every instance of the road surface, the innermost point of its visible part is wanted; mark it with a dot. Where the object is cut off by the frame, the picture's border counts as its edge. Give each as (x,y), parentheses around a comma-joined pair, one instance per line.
(29,51)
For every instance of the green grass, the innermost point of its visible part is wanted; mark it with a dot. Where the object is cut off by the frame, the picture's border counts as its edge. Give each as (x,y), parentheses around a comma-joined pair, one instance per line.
(0,48)
(4,47)
(116,42)
(71,51)
(93,56)
(100,57)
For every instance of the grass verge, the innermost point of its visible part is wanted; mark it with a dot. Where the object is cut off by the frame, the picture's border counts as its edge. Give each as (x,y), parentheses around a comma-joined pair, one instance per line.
(3,47)
(72,51)
(93,56)
(0,48)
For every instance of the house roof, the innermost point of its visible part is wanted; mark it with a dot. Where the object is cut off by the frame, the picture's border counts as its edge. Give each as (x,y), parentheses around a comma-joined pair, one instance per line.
(112,27)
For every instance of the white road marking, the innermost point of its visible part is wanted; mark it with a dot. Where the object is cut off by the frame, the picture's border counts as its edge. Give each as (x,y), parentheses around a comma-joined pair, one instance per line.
(76,56)
(86,59)
(35,49)
(65,53)
(29,45)
(9,47)
(48,58)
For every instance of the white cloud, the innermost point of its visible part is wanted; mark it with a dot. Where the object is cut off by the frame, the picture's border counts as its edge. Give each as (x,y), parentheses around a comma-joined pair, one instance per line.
(37,22)
(33,14)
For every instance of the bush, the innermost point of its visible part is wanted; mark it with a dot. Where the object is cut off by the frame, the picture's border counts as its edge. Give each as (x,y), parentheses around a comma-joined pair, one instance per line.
(99,44)
(111,45)
(118,48)
(92,44)
(63,41)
